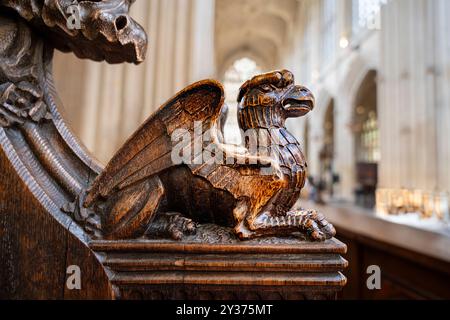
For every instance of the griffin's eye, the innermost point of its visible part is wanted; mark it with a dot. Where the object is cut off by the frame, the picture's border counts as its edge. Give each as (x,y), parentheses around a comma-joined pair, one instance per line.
(266,88)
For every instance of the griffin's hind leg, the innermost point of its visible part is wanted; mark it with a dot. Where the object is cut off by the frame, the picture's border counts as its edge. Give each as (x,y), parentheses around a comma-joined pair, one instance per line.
(240,213)
(310,223)
(172,225)
(131,210)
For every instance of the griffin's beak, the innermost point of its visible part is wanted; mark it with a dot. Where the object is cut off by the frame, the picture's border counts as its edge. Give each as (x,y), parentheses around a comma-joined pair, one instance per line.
(297,102)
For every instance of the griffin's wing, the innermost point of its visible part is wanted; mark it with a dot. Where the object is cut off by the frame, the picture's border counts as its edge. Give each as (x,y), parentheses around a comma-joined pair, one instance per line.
(148,151)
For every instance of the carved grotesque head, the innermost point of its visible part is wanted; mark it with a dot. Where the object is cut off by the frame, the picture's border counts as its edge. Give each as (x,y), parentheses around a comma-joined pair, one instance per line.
(97,30)
(267,100)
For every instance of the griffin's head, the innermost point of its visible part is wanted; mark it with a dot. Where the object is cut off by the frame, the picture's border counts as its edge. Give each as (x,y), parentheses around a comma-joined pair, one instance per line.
(97,30)
(269,99)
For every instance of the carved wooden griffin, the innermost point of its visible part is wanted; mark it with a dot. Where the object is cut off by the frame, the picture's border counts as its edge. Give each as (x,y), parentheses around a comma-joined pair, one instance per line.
(144,191)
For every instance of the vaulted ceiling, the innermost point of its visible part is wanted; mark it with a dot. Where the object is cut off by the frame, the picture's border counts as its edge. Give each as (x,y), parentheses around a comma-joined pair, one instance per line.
(258,29)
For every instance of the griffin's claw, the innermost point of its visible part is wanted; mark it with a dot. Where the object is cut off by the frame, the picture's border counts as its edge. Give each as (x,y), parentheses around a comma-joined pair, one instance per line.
(309,224)
(320,217)
(191,227)
(330,230)
(316,235)
(177,234)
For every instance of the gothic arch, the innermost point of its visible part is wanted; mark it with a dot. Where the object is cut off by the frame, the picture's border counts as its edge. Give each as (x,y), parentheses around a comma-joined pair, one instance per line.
(262,31)
(239,54)
(366,139)
(357,71)
(323,99)
(345,94)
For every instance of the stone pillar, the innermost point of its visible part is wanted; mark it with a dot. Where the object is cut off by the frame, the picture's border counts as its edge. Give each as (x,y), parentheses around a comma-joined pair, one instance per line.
(344,154)
(202,62)
(442,69)
(411,95)
(315,144)
(111,101)
(315,54)
(344,15)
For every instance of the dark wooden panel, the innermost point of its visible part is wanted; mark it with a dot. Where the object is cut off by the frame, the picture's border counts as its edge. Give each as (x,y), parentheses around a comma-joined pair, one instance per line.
(353,271)
(156,269)
(35,249)
(405,274)
(94,281)
(33,245)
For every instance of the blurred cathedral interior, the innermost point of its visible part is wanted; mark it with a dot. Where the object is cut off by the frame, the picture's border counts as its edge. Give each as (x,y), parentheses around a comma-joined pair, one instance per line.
(377,143)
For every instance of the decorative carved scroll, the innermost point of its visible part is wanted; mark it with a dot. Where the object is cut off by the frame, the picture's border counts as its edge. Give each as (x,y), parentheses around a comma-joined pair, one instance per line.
(47,156)
(105,31)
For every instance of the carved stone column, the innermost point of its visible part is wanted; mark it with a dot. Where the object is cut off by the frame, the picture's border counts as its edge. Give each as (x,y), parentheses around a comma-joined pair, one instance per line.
(442,55)
(181,34)
(412,102)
